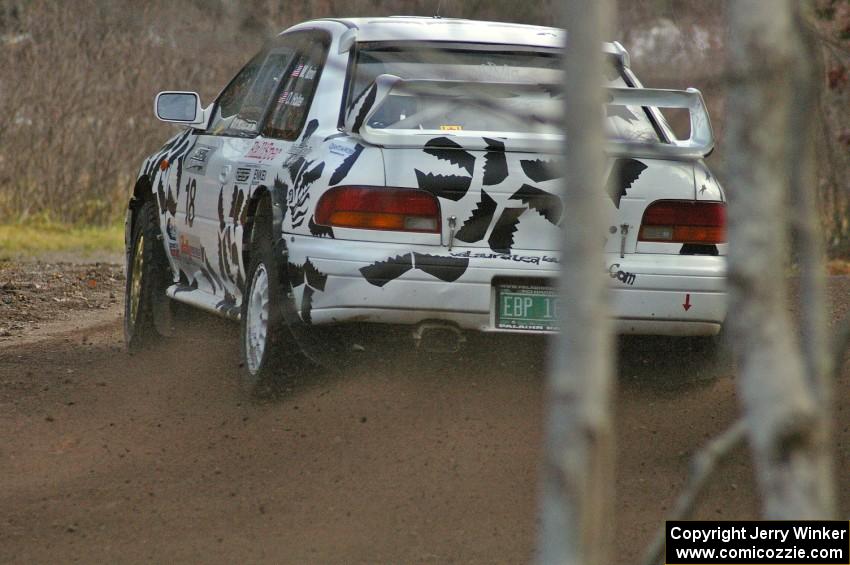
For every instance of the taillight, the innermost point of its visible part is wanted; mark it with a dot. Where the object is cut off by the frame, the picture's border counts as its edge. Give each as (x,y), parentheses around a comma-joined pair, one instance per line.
(379,208)
(684,221)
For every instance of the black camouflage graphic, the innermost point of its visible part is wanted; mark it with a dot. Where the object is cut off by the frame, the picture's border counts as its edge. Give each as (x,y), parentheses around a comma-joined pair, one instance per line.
(450,187)
(619,111)
(302,174)
(227,252)
(312,279)
(624,172)
(382,272)
(445,149)
(548,205)
(475,227)
(541,171)
(502,237)
(495,162)
(342,170)
(368,101)
(171,155)
(445,268)
(310,129)
(319,230)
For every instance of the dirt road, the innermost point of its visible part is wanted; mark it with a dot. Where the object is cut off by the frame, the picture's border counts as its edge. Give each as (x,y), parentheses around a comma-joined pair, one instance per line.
(160,457)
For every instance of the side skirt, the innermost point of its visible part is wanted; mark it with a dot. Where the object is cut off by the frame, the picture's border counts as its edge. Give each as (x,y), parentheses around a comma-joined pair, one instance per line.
(204,301)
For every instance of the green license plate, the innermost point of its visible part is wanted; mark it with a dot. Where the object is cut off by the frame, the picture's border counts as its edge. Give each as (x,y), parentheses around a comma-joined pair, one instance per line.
(526,307)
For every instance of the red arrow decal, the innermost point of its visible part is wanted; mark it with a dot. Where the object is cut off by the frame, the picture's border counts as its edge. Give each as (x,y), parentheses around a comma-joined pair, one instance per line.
(687,304)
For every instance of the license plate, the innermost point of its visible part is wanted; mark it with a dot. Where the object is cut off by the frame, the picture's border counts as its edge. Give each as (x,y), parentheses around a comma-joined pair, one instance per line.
(526,307)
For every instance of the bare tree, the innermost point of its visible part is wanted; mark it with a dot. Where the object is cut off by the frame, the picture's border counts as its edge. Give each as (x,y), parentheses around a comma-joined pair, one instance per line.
(786,412)
(578,466)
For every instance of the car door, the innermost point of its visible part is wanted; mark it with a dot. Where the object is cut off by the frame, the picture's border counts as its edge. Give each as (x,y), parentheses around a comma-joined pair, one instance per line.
(288,131)
(216,179)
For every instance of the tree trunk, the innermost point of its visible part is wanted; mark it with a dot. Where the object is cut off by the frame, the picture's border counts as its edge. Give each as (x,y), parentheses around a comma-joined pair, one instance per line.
(784,412)
(578,465)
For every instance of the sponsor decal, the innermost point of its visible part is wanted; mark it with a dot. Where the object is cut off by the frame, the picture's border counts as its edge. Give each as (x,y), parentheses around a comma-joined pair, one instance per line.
(170,230)
(623,276)
(342,150)
(533,259)
(306,72)
(171,233)
(259,176)
(243,174)
(200,154)
(451,128)
(198,159)
(190,248)
(264,151)
(291,98)
(296,100)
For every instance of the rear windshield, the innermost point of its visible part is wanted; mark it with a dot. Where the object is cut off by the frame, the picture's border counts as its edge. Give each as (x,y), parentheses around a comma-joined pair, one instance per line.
(530,107)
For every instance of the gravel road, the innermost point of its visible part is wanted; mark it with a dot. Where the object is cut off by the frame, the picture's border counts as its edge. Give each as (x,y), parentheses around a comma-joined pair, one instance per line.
(161,457)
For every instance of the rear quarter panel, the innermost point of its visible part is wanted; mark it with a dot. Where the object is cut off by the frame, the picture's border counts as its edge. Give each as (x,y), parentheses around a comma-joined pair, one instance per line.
(508,201)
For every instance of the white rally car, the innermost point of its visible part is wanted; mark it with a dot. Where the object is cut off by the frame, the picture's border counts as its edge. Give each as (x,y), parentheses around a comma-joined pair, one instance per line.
(406,171)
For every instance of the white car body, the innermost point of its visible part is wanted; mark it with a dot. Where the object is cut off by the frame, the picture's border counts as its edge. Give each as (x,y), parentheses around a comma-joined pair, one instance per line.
(504,201)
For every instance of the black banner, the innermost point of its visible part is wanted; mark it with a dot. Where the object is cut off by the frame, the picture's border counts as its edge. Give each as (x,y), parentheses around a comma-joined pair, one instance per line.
(761,543)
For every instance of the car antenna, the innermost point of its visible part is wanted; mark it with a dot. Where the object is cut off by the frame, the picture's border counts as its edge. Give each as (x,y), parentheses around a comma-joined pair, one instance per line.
(439,6)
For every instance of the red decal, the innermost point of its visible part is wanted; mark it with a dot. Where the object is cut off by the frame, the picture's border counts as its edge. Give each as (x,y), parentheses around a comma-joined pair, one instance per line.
(687,304)
(263,150)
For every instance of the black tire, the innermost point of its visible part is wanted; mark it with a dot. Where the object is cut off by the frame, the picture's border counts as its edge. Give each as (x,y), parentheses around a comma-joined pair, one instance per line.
(262,355)
(148,275)
(674,362)
(706,358)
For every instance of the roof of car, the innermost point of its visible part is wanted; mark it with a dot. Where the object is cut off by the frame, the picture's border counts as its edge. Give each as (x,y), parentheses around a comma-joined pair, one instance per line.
(420,28)
(396,28)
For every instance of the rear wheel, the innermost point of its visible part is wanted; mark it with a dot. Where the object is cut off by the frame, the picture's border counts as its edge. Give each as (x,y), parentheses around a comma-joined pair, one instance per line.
(147,279)
(707,358)
(262,330)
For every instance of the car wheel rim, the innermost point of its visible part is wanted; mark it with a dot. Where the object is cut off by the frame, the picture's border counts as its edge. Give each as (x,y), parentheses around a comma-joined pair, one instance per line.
(257,319)
(136,278)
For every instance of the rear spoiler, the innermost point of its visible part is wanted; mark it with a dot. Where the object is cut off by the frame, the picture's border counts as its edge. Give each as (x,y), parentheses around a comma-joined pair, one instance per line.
(698,145)
(367,104)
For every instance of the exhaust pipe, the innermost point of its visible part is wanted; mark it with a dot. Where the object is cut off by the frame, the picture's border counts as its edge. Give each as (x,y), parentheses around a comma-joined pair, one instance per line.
(438,337)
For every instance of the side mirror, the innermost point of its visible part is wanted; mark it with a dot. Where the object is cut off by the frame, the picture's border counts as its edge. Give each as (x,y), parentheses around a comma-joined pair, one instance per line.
(180,108)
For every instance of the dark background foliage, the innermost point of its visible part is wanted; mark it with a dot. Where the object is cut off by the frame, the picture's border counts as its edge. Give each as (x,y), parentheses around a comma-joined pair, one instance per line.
(78,79)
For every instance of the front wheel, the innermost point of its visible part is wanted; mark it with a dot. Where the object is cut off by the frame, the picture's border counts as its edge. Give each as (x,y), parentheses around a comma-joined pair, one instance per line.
(147,279)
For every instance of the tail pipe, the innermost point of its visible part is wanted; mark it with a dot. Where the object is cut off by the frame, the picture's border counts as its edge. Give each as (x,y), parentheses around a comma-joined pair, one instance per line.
(438,337)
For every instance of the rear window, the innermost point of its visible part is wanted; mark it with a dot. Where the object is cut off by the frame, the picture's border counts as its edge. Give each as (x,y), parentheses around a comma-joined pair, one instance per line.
(523,95)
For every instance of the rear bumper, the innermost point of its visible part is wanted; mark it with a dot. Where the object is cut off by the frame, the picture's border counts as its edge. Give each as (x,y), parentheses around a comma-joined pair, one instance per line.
(406,284)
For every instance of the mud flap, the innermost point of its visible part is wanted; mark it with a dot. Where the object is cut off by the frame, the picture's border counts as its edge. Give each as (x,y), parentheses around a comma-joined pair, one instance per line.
(163,316)
(317,351)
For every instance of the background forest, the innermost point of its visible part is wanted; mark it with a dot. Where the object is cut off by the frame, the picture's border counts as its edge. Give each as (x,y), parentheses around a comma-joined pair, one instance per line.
(79,79)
